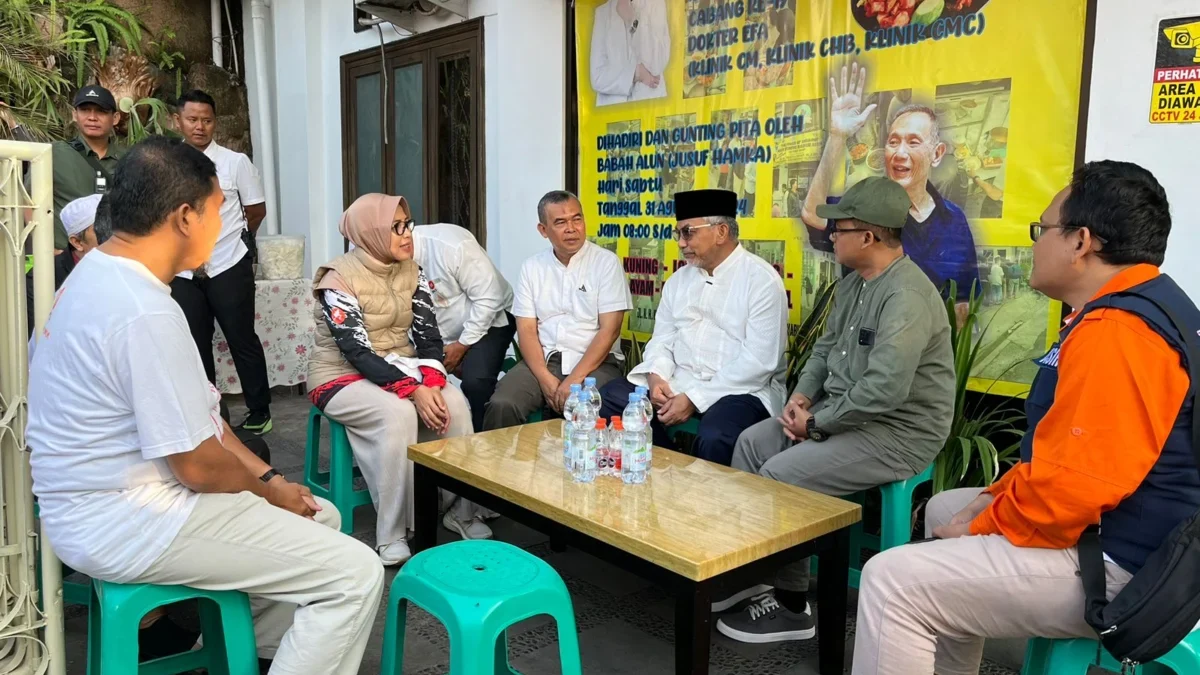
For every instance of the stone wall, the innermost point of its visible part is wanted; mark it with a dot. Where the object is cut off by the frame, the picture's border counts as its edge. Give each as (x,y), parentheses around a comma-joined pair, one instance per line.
(191,21)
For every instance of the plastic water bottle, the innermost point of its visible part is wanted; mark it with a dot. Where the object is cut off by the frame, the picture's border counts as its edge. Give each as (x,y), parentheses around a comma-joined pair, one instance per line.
(569,423)
(584,444)
(647,411)
(647,406)
(634,457)
(591,394)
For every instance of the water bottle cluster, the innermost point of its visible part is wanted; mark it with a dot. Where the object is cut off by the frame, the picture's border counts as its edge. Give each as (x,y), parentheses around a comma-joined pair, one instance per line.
(591,447)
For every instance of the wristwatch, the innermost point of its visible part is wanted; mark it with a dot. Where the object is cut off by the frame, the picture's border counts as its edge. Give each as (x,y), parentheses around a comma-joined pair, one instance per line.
(271,473)
(814,432)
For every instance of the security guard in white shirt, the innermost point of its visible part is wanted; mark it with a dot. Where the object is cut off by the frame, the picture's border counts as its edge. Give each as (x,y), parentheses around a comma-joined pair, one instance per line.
(472,302)
(719,334)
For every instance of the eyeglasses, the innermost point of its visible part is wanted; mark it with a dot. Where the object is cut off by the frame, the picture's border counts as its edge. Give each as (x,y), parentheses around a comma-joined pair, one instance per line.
(1037,229)
(834,232)
(403,227)
(685,233)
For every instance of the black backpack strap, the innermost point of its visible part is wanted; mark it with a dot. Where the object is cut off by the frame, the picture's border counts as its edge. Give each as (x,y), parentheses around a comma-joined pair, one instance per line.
(91,159)
(1091,551)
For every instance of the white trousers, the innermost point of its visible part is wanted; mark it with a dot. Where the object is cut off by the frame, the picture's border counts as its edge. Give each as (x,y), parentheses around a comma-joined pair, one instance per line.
(314,591)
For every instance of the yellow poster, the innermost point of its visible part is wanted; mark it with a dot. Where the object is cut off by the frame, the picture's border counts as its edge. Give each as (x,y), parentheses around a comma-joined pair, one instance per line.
(971,105)
(1176,72)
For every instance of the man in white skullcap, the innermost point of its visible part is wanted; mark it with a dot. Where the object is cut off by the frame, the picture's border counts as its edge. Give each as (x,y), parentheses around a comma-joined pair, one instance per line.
(79,221)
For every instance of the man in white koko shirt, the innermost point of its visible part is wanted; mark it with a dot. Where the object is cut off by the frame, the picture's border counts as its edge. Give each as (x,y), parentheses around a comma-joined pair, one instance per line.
(719,334)
(138,478)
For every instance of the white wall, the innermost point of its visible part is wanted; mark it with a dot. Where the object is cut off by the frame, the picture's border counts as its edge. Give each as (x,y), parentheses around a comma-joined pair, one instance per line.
(523,116)
(1119,127)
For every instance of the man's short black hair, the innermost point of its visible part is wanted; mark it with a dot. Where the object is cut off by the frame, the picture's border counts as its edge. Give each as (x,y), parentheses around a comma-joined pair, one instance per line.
(197,96)
(102,225)
(1123,204)
(553,197)
(153,179)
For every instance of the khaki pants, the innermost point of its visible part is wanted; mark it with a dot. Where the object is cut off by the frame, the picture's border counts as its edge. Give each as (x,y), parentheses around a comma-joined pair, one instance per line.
(518,395)
(381,426)
(313,590)
(927,607)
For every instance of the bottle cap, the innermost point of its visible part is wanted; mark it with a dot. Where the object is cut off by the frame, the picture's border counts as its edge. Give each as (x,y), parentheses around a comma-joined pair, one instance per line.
(589,381)
(634,396)
(640,389)
(600,424)
(618,424)
(576,387)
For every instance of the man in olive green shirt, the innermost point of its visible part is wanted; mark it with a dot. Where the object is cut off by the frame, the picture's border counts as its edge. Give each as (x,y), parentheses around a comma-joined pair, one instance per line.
(94,151)
(874,402)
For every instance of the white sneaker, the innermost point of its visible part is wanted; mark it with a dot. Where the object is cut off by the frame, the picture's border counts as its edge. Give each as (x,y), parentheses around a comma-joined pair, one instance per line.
(722,605)
(470,529)
(488,514)
(394,553)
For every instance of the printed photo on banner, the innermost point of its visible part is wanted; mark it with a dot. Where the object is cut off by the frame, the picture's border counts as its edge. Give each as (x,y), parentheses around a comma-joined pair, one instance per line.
(967,104)
(631,45)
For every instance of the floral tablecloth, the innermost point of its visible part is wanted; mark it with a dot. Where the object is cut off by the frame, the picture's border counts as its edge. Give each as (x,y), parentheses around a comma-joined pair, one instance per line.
(284,322)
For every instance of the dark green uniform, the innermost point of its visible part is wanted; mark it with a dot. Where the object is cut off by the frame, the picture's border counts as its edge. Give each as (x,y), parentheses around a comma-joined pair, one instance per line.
(75,177)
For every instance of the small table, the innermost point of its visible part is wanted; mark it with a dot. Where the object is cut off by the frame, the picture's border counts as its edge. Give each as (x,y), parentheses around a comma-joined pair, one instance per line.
(283,320)
(693,527)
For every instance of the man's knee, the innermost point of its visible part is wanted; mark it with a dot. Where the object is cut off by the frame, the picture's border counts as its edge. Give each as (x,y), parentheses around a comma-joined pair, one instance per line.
(880,574)
(328,516)
(362,572)
(478,388)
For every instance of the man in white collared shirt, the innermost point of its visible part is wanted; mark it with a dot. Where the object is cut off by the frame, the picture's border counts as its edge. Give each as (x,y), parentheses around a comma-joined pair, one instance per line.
(719,334)
(225,290)
(569,304)
(472,301)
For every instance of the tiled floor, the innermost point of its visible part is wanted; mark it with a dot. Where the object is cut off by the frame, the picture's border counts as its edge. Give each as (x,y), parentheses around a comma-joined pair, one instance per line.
(625,624)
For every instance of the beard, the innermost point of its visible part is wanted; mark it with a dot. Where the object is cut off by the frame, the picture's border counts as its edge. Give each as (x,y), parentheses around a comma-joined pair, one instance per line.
(200,272)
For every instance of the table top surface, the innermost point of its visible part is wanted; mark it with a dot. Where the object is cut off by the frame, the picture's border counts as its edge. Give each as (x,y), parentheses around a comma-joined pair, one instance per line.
(693,517)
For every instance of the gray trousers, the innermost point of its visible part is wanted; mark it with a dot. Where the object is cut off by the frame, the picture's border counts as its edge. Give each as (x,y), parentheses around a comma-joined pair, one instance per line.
(518,394)
(843,464)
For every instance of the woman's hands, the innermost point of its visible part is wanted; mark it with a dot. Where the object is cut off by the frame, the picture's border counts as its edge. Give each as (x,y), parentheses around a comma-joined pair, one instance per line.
(431,407)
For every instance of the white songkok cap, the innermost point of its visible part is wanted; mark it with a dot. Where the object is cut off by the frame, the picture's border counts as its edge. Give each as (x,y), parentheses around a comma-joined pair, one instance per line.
(80,214)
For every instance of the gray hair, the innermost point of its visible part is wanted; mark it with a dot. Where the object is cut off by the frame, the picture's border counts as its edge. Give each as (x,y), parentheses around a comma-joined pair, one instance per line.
(553,197)
(915,108)
(724,220)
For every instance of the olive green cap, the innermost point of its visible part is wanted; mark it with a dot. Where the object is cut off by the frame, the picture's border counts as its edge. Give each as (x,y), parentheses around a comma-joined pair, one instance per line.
(876,201)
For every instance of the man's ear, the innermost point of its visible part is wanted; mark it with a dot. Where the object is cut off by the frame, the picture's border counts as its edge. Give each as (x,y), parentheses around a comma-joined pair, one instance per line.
(939,151)
(75,243)
(542,231)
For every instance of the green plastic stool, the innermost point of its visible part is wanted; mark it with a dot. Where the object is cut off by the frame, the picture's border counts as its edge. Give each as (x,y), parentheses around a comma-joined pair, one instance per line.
(1073,657)
(692,426)
(337,484)
(477,589)
(895,521)
(117,609)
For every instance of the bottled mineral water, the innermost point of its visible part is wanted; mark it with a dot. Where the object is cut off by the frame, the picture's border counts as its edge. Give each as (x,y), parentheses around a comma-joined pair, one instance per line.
(647,416)
(569,407)
(585,444)
(635,461)
(647,407)
(591,394)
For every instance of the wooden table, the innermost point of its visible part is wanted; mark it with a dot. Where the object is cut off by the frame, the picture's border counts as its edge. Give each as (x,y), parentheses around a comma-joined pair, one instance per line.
(693,527)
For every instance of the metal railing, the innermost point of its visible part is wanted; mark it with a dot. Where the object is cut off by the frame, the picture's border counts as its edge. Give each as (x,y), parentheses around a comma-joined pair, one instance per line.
(31,640)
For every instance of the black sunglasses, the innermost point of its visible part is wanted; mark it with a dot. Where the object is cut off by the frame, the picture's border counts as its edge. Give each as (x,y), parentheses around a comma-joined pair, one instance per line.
(402,227)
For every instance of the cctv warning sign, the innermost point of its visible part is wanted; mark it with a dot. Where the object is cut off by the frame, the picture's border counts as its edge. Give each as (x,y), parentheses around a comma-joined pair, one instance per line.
(1176,94)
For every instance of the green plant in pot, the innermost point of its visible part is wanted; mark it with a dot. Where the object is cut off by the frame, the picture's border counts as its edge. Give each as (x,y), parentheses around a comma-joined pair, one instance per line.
(983,437)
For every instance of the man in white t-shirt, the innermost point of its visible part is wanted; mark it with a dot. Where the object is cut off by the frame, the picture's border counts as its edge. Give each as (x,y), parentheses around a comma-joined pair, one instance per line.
(224,290)
(569,303)
(138,478)
(472,301)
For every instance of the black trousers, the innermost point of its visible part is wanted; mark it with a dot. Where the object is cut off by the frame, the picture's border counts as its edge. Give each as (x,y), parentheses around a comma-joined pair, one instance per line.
(227,298)
(481,367)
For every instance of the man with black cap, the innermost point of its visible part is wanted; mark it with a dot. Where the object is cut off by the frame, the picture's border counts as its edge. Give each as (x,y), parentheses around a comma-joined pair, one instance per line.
(84,165)
(719,333)
(874,401)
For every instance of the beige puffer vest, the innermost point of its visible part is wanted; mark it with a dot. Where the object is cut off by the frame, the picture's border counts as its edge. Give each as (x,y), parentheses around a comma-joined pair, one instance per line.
(385,293)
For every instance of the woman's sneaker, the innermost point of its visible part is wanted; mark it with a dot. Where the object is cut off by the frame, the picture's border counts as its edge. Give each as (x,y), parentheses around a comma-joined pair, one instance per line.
(765,620)
(394,553)
(468,529)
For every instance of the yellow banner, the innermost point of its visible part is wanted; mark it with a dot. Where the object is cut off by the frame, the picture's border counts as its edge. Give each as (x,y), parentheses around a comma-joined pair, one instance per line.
(972,105)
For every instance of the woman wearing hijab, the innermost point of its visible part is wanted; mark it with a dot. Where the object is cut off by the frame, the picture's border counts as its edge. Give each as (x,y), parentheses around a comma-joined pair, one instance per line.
(377,365)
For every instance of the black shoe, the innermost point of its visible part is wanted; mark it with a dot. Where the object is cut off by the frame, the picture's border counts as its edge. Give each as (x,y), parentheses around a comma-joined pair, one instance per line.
(164,638)
(257,423)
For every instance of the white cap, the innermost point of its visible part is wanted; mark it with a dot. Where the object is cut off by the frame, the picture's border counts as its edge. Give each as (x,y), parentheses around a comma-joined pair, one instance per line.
(80,214)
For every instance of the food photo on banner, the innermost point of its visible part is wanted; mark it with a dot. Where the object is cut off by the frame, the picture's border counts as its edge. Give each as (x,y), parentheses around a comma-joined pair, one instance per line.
(971,105)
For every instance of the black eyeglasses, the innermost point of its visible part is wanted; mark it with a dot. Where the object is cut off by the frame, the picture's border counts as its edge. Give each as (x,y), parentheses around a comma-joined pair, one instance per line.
(402,227)
(1037,229)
